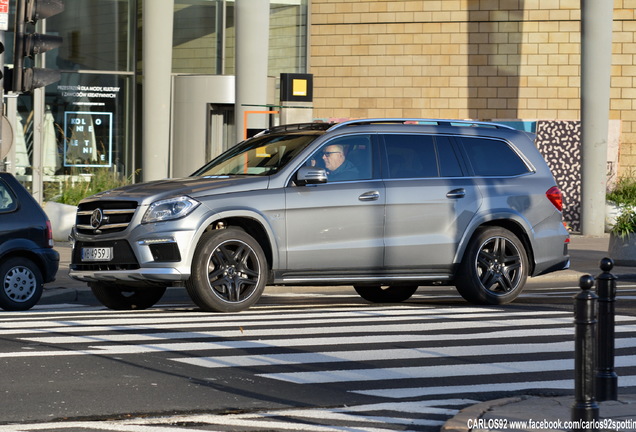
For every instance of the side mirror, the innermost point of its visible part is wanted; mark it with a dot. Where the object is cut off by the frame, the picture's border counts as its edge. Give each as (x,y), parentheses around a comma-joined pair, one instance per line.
(311,175)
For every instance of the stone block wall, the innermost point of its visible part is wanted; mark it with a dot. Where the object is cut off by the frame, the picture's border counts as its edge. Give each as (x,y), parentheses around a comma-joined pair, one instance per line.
(477,59)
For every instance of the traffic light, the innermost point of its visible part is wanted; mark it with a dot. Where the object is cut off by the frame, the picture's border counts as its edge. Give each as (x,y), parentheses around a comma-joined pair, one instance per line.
(27,45)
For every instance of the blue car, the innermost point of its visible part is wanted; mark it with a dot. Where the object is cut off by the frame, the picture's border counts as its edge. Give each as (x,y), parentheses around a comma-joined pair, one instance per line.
(27,257)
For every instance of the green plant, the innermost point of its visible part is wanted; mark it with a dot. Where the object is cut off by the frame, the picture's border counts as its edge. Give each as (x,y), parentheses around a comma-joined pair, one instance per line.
(625,223)
(76,187)
(624,193)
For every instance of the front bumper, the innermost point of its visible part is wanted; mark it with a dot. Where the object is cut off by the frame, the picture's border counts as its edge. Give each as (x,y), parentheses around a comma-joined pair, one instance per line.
(152,258)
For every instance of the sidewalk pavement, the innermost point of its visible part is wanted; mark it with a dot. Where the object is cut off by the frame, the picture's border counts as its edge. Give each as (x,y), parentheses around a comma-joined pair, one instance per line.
(548,412)
(541,413)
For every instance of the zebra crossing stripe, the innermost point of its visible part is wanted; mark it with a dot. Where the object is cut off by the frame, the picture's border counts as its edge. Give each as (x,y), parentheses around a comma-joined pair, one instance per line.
(154,322)
(402,393)
(287,342)
(278,343)
(109,317)
(419,372)
(386,354)
(268,419)
(245,330)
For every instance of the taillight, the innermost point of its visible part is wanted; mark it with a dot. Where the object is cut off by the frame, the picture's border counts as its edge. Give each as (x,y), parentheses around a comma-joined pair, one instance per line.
(555,197)
(49,234)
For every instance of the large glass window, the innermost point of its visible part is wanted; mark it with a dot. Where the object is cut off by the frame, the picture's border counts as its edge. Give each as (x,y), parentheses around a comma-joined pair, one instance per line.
(203,37)
(98,35)
(84,125)
(200,36)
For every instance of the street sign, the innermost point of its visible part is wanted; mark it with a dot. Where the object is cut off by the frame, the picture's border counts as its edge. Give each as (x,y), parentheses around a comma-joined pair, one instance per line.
(4,15)
(6,139)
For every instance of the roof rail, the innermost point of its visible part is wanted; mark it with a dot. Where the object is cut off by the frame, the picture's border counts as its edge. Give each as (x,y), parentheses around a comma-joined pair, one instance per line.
(296,127)
(439,122)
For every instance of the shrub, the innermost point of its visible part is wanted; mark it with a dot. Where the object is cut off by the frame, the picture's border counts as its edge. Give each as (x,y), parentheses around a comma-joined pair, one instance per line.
(625,223)
(72,192)
(624,193)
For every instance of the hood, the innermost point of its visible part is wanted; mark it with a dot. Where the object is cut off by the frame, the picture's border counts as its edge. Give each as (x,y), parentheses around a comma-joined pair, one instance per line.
(195,187)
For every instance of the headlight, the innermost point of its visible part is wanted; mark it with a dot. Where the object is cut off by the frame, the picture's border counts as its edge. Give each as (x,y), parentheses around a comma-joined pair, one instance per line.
(173,208)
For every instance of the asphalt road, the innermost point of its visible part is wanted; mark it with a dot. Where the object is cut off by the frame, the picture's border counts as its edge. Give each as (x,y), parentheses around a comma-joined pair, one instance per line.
(302,359)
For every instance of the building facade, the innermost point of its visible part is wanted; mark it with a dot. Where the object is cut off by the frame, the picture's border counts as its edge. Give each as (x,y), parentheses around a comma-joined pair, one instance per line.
(93,118)
(468,59)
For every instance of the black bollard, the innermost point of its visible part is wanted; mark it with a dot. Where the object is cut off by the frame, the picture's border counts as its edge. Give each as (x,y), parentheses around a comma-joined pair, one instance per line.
(606,378)
(585,407)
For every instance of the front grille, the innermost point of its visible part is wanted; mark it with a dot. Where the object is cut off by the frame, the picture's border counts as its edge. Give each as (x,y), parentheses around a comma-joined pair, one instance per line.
(104,217)
(123,257)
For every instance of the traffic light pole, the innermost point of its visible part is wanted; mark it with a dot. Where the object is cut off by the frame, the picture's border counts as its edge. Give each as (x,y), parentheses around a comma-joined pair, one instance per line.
(18,46)
(38,121)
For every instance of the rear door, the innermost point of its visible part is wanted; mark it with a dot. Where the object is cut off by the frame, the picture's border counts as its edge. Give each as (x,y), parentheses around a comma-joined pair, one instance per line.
(429,202)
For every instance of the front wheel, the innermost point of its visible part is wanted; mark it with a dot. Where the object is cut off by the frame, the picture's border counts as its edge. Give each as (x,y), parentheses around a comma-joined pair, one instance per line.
(22,284)
(494,268)
(229,271)
(390,294)
(119,297)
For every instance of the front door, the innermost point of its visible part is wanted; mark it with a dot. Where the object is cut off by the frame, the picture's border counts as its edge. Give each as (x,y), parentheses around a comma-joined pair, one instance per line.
(337,227)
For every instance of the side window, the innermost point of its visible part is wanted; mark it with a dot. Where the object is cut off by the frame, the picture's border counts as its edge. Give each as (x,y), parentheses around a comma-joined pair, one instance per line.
(346,158)
(490,157)
(7,199)
(448,163)
(411,156)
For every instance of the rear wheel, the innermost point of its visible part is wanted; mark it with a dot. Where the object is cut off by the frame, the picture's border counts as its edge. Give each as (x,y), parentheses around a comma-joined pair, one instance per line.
(121,297)
(494,269)
(386,294)
(229,271)
(22,284)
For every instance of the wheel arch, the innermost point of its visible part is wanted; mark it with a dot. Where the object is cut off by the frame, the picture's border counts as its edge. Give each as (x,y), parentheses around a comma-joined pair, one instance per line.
(512,224)
(253,224)
(24,251)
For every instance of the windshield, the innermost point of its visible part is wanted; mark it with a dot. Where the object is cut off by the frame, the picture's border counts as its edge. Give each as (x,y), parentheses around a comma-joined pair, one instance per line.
(259,156)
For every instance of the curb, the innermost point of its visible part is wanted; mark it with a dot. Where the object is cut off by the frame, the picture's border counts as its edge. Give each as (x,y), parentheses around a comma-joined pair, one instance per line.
(459,423)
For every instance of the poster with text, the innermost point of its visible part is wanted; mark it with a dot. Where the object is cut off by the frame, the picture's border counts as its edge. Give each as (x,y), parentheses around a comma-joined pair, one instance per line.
(89,139)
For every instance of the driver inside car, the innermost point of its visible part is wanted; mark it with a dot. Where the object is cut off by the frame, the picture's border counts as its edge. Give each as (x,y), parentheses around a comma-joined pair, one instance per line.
(337,165)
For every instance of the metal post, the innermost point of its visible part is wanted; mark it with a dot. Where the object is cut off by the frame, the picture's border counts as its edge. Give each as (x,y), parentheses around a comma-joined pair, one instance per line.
(606,378)
(585,407)
(251,25)
(596,62)
(158,18)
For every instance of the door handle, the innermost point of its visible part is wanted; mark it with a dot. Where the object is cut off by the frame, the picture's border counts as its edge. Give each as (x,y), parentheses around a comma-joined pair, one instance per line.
(456,193)
(370,196)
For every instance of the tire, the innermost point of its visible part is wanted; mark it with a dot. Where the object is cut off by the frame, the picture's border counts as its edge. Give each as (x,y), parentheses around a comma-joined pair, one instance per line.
(229,271)
(494,268)
(121,297)
(390,294)
(22,284)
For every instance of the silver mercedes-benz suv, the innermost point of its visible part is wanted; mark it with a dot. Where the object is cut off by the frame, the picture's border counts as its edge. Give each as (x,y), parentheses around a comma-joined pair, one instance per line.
(384,205)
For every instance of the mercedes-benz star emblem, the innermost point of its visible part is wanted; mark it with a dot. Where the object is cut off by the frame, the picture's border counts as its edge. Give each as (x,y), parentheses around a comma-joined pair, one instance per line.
(97,218)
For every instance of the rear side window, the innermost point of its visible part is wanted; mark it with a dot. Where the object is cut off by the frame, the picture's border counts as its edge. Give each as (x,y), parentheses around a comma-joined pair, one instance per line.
(492,158)
(416,155)
(8,201)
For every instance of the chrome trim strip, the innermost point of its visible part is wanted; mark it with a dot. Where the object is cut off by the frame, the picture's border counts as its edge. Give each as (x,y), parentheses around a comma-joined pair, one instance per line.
(366,278)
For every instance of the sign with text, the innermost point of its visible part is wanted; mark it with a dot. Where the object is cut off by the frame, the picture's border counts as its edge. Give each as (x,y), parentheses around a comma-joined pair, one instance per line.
(89,139)
(4,15)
